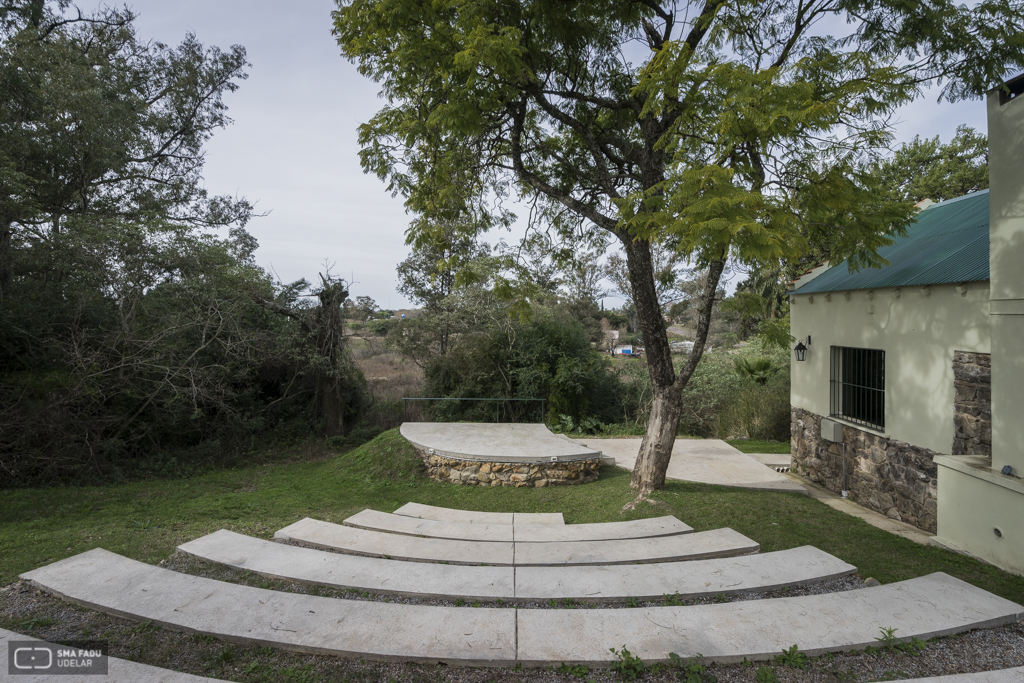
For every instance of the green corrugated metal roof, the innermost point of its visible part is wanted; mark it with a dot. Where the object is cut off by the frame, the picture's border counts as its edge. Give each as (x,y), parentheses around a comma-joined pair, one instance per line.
(948,243)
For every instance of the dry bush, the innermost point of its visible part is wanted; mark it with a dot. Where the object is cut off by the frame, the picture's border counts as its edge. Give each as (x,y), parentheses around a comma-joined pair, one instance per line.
(390,377)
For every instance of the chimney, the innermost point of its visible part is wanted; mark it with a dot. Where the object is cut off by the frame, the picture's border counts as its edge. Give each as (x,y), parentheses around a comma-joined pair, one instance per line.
(1006,265)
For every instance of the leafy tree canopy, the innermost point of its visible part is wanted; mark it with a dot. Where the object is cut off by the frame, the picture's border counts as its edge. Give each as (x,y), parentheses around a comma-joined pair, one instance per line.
(722,129)
(928,169)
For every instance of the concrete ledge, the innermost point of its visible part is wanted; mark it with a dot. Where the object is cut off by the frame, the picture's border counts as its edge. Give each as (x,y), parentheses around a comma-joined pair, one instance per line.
(395,546)
(534,533)
(290,621)
(926,607)
(118,670)
(389,577)
(980,467)
(471,517)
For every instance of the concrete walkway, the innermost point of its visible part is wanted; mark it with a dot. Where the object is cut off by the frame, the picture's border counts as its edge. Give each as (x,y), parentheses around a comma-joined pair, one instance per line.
(704,461)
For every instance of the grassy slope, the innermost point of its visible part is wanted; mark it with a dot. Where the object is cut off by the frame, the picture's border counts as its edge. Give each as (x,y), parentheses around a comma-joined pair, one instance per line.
(146,520)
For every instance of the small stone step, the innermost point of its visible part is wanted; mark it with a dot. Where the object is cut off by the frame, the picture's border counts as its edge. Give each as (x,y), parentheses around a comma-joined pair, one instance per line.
(440,514)
(926,607)
(390,577)
(291,621)
(533,533)
(395,546)
(695,546)
(118,670)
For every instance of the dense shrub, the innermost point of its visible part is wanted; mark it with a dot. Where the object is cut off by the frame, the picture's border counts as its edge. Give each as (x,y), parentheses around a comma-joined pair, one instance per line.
(546,356)
(718,402)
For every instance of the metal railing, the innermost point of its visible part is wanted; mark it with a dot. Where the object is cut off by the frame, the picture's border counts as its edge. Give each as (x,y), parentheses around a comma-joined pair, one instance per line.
(498,403)
(857,386)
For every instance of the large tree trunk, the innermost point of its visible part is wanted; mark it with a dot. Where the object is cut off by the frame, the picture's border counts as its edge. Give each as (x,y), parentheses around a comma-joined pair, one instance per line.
(667,388)
(659,437)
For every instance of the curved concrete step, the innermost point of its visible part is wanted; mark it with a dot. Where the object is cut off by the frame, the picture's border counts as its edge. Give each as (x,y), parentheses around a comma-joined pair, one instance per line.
(396,546)
(692,579)
(929,606)
(609,583)
(391,577)
(652,527)
(527,533)
(292,621)
(926,607)
(695,546)
(716,543)
(118,670)
(440,514)
(411,526)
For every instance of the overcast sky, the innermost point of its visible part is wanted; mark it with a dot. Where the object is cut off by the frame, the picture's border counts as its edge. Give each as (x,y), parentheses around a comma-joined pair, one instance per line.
(293,148)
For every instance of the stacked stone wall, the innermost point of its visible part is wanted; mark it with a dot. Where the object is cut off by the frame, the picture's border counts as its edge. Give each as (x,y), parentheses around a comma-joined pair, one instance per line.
(478,473)
(885,475)
(972,405)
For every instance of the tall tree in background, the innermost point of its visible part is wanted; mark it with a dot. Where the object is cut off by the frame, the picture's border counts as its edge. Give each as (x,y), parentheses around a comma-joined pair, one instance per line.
(731,129)
(432,273)
(124,327)
(928,169)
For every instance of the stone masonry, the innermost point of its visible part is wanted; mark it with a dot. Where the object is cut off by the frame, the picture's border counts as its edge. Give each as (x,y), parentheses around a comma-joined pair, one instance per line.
(972,406)
(885,475)
(518,474)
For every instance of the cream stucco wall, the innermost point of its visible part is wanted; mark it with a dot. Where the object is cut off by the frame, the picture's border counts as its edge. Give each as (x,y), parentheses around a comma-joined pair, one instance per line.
(919,329)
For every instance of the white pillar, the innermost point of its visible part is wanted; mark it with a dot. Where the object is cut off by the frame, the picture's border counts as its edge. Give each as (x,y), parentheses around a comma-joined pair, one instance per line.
(1006,262)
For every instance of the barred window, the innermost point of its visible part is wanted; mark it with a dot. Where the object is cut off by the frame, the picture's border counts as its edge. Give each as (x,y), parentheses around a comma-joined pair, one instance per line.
(857,386)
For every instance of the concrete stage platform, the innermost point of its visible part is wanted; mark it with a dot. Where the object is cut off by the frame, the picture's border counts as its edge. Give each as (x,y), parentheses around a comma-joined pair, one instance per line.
(515,443)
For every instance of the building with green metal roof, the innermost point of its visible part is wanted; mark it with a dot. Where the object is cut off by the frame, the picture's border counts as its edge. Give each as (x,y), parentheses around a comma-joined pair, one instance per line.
(948,243)
(908,380)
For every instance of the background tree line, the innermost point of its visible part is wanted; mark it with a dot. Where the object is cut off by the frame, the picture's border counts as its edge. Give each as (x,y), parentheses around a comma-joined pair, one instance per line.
(137,335)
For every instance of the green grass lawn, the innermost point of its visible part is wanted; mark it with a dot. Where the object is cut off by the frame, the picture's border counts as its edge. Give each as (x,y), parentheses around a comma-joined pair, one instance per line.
(758,446)
(146,520)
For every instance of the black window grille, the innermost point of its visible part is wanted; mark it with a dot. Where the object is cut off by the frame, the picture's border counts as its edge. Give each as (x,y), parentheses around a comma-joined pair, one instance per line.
(857,386)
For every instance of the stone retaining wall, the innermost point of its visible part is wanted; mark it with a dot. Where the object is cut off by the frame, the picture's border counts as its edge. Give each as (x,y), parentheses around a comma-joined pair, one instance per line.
(477,473)
(885,475)
(972,406)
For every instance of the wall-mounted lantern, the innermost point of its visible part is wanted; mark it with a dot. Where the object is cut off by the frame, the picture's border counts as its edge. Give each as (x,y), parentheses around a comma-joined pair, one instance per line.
(801,351)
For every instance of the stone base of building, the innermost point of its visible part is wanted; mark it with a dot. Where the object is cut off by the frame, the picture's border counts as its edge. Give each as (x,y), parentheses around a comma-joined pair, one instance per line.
(518,474)
(888,476)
